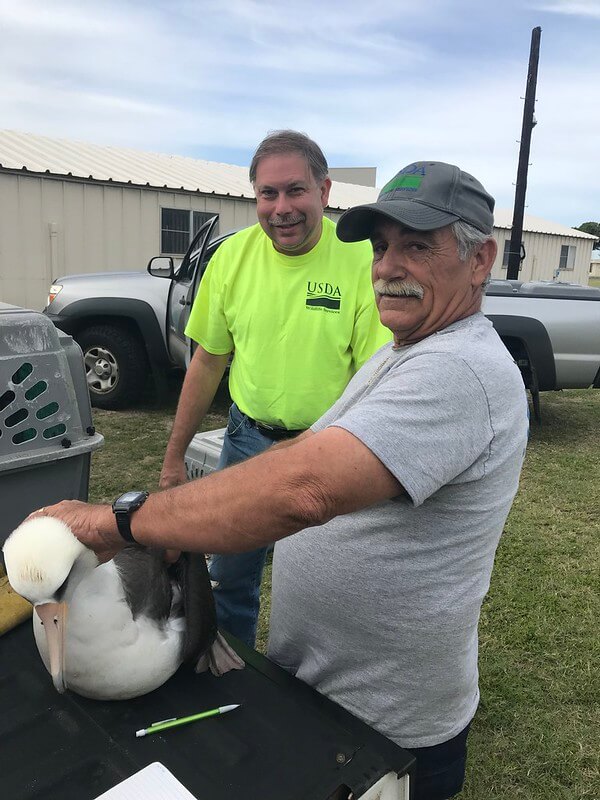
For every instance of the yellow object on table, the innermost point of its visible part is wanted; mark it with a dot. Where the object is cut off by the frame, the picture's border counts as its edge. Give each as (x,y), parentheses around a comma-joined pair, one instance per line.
(13,609)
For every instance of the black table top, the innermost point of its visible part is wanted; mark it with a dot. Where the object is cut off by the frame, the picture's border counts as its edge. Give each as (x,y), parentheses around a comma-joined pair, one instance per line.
(286,741)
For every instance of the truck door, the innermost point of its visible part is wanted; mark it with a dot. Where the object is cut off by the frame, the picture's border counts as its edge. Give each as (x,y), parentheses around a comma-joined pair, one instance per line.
(182,293)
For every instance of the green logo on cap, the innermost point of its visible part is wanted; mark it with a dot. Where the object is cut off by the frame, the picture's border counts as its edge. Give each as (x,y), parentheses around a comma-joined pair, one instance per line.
(402,182)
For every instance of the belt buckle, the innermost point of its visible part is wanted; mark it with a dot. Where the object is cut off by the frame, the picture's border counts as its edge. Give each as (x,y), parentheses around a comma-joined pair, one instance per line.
(267,427)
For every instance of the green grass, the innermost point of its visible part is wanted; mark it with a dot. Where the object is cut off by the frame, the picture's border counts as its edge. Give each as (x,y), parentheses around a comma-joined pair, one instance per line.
(594,281)
(537,732)
(135,444)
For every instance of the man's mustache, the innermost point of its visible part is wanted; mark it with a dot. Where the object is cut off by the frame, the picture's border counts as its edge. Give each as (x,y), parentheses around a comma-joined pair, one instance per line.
(279,221)
(406,288)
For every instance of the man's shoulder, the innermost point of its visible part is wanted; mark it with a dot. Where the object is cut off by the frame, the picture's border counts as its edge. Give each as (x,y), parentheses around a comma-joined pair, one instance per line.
(240,239)
(360,248)
(350,262)
(474,331)
(471,344)
(234,250)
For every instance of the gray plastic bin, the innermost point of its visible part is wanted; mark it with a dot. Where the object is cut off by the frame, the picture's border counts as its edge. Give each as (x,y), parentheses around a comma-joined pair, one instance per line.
(202,455)
(46,430)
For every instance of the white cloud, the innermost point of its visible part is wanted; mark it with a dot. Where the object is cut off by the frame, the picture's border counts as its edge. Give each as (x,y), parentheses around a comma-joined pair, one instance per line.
(579,8)
(60,16)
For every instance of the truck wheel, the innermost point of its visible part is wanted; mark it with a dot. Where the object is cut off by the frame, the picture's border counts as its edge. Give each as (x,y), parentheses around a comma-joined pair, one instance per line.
(116,366)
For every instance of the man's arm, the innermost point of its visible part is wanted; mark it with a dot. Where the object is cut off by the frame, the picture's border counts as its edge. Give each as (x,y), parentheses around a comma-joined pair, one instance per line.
(250,504)
(197,393)
(289,442)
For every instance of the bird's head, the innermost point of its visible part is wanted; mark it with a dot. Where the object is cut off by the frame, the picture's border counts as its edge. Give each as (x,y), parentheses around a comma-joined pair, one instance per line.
(44,562)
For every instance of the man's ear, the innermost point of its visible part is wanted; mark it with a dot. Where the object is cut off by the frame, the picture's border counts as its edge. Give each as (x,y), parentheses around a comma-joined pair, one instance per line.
(483,261)
(325,189)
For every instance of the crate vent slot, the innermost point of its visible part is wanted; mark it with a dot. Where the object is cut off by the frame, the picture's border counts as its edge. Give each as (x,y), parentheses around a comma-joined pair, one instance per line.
(47,411)
(55,430)
(36,390)
(23,372)
(6,399)
(24,436)
(17,417)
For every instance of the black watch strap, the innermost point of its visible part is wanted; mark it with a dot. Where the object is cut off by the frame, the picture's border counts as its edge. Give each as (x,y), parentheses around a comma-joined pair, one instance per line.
(124,525)
(123,508)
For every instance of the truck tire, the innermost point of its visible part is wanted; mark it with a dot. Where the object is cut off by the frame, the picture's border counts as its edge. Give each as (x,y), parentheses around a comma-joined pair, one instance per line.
(116,366)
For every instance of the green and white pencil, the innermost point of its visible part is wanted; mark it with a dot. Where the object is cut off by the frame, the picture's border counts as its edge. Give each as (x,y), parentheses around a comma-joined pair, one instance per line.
(174,722)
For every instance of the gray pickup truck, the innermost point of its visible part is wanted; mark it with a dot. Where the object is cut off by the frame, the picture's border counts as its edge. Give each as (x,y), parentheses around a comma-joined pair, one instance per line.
(130,323)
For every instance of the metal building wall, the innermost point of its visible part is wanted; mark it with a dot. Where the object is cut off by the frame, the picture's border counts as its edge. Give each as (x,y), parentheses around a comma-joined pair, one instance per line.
(51,227)
(543,257)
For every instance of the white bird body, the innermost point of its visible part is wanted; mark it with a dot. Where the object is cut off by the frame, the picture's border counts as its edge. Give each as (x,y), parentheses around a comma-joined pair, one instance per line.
(126,630)
(109,655)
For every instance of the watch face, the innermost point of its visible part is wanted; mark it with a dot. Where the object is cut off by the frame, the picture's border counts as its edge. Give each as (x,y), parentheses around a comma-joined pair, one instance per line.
(123,508)
(130,497)
(130,501)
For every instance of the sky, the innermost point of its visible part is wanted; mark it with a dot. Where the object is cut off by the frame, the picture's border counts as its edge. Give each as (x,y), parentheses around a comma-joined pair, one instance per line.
(374,82)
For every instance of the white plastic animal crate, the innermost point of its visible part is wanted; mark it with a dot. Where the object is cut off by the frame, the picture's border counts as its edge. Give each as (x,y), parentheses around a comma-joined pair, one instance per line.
(390,787)
(202,456)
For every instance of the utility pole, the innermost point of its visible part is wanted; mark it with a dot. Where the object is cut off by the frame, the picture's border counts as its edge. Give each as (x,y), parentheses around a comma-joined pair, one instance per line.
(529,122)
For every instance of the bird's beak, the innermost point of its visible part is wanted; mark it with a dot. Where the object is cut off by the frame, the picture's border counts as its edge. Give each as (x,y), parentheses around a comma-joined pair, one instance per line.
(54,620)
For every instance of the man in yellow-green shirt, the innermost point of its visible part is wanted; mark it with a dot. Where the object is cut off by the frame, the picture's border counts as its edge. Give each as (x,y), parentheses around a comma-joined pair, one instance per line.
(295,306)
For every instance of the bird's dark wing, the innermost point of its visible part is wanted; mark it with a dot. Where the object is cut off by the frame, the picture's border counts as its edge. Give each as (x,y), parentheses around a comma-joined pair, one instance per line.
(146,581)
(198,604)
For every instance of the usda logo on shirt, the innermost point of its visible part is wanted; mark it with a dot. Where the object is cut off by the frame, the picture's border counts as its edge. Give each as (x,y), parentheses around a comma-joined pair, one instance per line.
(323,295)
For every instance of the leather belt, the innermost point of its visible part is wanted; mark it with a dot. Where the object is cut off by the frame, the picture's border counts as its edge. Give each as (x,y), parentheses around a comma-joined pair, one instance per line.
(272,431)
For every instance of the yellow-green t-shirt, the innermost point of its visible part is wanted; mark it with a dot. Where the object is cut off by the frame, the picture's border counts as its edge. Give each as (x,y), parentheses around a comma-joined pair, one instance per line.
(299,326)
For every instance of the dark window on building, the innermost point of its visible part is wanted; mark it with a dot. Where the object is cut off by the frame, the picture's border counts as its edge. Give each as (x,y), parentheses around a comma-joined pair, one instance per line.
(199,218)
(175,231)
(178,228)
(567,256)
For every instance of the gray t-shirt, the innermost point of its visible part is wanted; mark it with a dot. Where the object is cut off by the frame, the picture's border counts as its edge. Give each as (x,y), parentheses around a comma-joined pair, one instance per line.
(379,609)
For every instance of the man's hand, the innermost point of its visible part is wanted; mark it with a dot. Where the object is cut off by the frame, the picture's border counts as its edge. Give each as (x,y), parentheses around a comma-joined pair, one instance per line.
(94,525)
(172,474)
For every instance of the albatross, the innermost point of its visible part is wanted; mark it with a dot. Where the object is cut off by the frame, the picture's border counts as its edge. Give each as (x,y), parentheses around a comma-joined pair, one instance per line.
(116,630)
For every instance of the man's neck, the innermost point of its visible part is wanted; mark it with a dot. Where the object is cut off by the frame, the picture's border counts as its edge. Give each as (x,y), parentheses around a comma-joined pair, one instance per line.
(304,248)
(413,338)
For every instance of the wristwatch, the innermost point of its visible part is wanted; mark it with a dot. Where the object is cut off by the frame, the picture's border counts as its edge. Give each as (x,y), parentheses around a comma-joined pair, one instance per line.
(123,508)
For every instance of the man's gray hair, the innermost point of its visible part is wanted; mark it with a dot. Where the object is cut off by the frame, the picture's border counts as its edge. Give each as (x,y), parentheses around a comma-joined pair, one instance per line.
(288,141)
(468,239)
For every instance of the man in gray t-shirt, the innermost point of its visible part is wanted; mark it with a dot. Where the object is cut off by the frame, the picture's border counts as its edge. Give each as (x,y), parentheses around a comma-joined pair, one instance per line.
(397,495)
(379,609)
(390,596)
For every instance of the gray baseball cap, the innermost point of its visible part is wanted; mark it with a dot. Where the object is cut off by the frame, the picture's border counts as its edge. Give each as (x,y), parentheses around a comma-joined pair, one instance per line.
(424,196)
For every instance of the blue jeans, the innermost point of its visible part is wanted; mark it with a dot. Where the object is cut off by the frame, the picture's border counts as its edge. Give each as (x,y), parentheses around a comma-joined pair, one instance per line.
(237,596)
(441,768)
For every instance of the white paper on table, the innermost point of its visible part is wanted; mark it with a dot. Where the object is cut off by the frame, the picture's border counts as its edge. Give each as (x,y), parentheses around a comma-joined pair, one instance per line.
(154,782)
